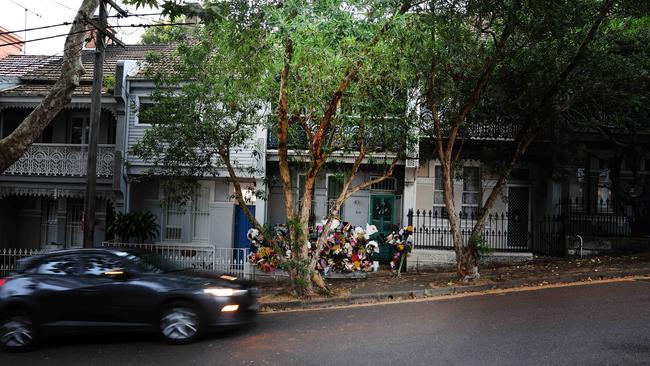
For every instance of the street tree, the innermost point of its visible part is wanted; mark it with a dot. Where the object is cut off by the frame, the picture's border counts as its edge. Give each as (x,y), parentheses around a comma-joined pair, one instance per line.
(332,76)
(482,61)
(611,97)
(14,146)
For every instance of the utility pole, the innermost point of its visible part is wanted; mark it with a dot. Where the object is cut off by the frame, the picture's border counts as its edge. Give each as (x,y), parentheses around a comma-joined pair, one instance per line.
(95,117)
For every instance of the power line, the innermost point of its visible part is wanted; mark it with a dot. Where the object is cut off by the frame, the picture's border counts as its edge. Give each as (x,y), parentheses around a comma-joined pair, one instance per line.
(117,26)
(27,9)
(133,15)
(63,5)
(36,28)
(141,25)
(68,23)
(42,38)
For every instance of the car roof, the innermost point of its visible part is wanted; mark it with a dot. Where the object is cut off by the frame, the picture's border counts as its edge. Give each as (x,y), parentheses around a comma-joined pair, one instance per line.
(24,263)
(85,251)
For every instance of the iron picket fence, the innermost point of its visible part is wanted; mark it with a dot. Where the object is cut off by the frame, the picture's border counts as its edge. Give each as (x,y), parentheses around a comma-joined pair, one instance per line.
(502,232)
(10,256)
(207,257)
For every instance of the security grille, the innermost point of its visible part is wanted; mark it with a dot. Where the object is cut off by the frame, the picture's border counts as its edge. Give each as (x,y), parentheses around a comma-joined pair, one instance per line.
(388,184)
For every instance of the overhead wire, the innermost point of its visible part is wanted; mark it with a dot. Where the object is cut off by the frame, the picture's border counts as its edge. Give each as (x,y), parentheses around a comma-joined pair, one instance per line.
(68,23)
(37,28)
(63,5)
(42,38)
(141,25)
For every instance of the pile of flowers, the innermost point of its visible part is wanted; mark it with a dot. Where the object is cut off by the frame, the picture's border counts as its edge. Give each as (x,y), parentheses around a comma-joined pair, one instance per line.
(402,243)
(263,255)
(346,249)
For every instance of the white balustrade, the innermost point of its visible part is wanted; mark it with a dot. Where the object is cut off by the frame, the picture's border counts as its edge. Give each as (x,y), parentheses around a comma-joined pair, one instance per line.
(63,160)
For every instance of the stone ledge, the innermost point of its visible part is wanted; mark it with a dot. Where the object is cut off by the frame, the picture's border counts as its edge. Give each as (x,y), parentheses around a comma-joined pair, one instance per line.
(437,258)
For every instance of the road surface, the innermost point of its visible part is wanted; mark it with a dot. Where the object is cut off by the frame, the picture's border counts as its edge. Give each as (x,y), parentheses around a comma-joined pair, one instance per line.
(597,324)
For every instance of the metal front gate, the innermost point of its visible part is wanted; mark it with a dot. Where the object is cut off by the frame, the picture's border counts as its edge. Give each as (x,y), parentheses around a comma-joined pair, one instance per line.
(518,216)
(382,212)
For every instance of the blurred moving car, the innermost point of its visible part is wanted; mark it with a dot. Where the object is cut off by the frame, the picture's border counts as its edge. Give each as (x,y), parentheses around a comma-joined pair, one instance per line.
(102,289)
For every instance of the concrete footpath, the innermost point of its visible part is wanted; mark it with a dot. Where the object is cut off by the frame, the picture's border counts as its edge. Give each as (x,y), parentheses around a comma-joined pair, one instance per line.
(386,286)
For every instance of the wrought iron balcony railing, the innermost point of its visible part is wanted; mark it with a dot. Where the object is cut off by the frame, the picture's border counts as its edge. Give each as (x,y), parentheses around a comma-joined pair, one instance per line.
(62,160)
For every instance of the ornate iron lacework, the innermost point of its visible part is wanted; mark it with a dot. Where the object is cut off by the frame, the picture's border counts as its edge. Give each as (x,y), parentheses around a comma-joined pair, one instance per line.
(62,160)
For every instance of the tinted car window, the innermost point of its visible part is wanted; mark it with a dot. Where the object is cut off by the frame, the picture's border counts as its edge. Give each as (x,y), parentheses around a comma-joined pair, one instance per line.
(97,265)
(152,263)
(61,266)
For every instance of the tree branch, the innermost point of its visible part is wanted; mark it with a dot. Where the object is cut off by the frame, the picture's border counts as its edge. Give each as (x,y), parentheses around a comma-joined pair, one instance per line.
(283,129)
(14,146)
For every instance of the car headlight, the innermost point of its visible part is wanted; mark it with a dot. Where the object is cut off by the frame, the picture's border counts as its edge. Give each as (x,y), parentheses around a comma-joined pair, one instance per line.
(224,292)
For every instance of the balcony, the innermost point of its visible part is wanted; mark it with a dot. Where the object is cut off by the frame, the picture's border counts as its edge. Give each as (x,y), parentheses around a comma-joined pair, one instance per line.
(62,160)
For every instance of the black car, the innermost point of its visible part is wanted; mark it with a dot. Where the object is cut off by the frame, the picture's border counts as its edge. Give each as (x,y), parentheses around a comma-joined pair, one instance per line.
(102,289)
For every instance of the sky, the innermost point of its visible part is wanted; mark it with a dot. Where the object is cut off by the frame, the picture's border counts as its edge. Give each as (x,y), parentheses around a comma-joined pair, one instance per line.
(48,12)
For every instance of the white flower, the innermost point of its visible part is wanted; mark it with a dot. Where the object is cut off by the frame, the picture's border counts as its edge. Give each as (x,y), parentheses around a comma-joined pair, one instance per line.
(252,233)
(371,229)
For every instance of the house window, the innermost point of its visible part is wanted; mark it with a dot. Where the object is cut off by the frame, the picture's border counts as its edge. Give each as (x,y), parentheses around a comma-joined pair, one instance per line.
(143,104)
(301,191)
(174,214)
(334,189)
(471,190)
(49,221)
(74,214)
(201,215)
(604,203)
(577,191)
(78,130)
(439,209)
(387,184)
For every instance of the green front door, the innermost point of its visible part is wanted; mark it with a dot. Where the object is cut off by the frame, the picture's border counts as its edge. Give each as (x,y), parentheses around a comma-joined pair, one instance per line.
(382,212)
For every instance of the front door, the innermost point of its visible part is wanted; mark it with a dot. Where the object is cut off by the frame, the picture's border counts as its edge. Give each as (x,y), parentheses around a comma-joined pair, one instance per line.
(382,212)
(518,198)
(242,225)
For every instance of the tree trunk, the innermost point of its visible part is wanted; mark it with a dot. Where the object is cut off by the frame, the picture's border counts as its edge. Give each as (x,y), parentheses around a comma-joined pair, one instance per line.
(14,146)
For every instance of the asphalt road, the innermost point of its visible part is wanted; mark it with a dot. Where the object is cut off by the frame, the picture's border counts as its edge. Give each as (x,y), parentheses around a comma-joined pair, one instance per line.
(600,324)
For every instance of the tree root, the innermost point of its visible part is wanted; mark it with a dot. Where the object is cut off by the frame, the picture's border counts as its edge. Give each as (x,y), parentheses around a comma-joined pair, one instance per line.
(317,279)
(473,276)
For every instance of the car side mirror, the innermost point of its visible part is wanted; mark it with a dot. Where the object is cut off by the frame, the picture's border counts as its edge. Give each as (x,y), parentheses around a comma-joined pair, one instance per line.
(116,273)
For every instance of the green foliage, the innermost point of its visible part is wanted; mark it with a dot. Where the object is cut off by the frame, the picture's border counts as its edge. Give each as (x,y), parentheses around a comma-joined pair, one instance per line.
(483,249)
(109,83)
(224,85)
(139,226)
(168,33)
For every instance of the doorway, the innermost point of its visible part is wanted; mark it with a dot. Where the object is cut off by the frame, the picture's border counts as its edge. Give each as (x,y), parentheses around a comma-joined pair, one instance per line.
(382,212)
(518,216)
(242,225)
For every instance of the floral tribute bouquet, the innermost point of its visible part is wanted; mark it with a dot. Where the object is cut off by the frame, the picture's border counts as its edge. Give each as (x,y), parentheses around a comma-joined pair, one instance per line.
(263,255)
(346,248)
(402,243)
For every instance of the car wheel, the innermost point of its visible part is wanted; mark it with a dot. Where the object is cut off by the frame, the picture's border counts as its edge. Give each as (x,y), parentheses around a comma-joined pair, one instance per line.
(17,332)
(180,323)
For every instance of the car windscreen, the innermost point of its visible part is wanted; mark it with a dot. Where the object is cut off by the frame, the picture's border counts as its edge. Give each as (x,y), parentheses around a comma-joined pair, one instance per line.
(153,263)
